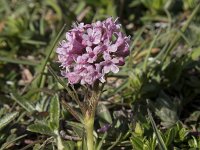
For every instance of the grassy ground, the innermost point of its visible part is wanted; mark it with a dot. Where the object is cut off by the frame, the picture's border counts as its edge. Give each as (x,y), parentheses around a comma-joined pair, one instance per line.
(153,103)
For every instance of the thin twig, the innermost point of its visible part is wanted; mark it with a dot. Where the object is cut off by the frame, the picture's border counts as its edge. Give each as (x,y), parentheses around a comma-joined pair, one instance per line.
(69,137)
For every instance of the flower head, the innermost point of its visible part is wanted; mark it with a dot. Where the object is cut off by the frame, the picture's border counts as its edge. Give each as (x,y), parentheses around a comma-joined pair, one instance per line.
(90,51)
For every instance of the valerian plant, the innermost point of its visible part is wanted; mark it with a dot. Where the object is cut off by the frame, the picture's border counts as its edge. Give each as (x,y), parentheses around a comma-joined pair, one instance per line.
(88,54)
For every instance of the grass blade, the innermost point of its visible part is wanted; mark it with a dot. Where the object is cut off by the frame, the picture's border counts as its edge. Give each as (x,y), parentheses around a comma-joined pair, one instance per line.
(73,93)
(72,111)
(49,52)
(17,61)
(183,29)
(116,142)
(102,140)
(149,51)
(158,136)
(22,102)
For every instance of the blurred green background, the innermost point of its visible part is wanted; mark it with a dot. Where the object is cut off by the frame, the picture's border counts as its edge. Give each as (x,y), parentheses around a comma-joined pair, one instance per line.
(162,73)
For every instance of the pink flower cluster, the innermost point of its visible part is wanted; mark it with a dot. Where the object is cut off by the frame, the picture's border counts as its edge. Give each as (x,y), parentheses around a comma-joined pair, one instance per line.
(90,51)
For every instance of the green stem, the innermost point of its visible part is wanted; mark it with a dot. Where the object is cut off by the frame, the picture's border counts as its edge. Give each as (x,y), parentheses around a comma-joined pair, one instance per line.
(90,114)
(89,126)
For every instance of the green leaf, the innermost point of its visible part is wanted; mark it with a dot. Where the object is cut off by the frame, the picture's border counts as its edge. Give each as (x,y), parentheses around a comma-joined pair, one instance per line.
(139,129)
(194,142)
(170,135)
(166,109)
(103,113)
(152,143)
(69,145)
(7,119)
(78,128)
(195,54)
(41,128)
(137,143)
(54,113)
(37,147)
(12,141)
(183,133)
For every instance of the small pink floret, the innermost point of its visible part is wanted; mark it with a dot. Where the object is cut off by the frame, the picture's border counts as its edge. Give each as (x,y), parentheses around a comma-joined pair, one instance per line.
(90,51)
